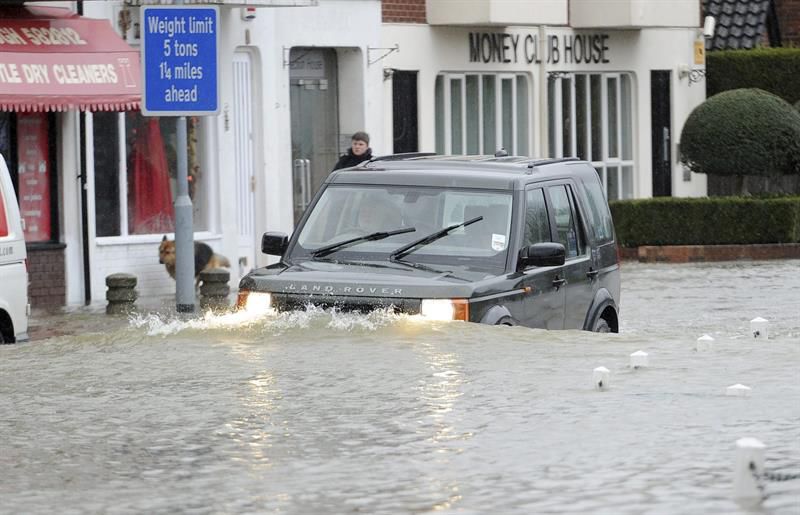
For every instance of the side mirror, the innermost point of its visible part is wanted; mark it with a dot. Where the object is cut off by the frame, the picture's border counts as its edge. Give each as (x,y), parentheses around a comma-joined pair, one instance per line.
(274,243)
(541,254)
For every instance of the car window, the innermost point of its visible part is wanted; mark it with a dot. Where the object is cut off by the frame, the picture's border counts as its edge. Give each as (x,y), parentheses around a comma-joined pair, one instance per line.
(537,223)
(567,226)
(348,211)
(599,214)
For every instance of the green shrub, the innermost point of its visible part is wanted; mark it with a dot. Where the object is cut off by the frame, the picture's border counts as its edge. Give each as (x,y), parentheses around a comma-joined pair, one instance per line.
(742,132)
(772,69)
(706,221)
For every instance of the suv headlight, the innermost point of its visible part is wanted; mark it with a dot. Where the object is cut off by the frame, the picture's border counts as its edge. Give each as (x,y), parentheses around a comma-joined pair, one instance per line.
(445,309)
(254,302)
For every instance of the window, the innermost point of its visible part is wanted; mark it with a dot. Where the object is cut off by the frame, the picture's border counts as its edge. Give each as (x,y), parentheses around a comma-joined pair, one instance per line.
(135,166)
(590,117)
(537,223)
(566,220)
(481,113)
(347,211)
(598,213)
(27,141)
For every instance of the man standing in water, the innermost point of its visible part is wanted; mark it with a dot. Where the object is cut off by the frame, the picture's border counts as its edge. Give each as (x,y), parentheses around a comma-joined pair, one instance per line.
(359,151)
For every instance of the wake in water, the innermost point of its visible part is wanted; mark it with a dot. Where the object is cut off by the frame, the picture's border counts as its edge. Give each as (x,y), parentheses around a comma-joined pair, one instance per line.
(158,324)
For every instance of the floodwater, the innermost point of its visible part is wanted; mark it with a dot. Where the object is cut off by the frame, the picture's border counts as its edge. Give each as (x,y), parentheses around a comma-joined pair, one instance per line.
(315,412)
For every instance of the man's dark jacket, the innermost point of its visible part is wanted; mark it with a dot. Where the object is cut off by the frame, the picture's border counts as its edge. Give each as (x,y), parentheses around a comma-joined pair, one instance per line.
(351,159)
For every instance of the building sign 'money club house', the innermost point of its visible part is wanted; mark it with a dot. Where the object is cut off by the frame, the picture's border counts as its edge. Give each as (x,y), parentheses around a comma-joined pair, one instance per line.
(499,47)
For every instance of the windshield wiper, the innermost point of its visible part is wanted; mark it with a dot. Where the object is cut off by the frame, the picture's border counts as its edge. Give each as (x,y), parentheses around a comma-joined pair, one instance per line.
(414,245)
(420,266)
(333,247)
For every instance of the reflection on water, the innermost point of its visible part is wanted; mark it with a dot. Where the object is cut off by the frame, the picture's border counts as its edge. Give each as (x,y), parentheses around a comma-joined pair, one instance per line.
(328,412)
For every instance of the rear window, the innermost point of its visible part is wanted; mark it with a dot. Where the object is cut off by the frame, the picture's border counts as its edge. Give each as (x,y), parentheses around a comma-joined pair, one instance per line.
(598,211)
(3,216)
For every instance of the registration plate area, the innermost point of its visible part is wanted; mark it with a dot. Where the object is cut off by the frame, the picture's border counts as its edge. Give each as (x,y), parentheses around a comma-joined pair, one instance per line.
(296,302)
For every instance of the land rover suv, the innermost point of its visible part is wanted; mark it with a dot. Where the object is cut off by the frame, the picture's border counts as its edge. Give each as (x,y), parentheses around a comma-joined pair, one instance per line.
(495,240)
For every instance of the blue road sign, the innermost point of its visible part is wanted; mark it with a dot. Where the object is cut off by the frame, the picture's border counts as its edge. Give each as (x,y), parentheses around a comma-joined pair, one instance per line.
(180,54)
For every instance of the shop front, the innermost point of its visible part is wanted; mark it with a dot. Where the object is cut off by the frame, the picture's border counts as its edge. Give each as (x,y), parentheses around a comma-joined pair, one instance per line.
(56,64)
(295,83)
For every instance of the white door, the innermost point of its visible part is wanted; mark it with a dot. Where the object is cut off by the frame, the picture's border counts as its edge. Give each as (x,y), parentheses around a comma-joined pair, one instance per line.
(244,157)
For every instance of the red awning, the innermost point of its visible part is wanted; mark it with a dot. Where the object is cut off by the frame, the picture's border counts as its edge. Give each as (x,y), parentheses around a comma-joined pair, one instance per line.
(54,60)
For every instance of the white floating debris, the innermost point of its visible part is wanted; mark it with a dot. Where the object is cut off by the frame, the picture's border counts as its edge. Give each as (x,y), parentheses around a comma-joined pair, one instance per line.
(759,327)
(705,343)
(738,390)
(749,466)
(639,359)
(601,376)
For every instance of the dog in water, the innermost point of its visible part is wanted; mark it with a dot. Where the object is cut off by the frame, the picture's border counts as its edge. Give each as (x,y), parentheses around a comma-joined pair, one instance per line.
(204,258)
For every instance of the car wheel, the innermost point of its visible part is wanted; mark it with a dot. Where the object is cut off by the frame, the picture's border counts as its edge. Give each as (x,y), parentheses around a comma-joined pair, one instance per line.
(2,338)
(601,326)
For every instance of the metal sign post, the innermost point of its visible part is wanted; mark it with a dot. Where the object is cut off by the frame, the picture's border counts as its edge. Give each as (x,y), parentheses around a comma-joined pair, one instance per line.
(180,48)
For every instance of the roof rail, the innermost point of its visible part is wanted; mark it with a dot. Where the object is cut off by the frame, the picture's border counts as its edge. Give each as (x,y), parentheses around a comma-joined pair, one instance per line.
(538,162)
(400,157)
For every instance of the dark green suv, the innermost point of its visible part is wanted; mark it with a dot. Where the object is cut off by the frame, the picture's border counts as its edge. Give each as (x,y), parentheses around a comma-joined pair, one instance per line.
(496,240)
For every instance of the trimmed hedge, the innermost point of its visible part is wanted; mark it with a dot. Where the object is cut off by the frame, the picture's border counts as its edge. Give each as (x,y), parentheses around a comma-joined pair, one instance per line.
(772,69)
(742,132)
(706,221)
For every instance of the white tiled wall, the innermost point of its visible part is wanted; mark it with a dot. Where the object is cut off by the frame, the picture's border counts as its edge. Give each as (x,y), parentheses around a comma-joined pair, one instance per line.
(139,259)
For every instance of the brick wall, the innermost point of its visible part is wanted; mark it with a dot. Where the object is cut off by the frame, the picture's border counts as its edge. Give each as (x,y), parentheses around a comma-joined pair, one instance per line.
(404,11)
(47,279)
(789,20)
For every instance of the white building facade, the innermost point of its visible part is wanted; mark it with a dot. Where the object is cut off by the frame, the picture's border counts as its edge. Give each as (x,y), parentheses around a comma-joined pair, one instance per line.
(295,82)
(610,81)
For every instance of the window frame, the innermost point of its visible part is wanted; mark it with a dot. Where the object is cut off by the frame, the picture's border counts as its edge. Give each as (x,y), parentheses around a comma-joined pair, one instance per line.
(125,237)
(625,178)
(54,175)
(446,111)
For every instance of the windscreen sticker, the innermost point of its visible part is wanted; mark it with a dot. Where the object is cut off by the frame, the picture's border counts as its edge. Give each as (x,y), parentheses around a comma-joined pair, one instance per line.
(498,242)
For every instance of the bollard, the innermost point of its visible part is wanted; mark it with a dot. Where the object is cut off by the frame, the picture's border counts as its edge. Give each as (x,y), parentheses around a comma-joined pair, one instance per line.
(601,377)
(214,289)
(759,327)
(705,343)
(747,471)
(738,390)
(121,293)
(639,359)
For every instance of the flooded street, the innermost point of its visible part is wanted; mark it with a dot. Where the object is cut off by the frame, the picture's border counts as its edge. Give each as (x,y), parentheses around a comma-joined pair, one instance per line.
(314,412)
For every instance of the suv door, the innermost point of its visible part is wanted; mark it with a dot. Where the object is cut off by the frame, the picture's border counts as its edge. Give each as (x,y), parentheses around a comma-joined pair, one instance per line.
(543,307)
(578,272)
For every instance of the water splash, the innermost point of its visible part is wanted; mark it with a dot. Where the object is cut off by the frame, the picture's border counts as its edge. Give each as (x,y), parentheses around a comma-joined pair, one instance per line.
(159,324)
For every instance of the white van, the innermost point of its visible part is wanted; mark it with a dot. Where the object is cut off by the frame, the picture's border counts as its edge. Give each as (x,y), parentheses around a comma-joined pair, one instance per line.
(14,307)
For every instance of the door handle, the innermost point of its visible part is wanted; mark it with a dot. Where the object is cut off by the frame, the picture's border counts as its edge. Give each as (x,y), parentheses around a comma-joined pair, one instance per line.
(300,177)
(307,176)
(558,282)
(591,274)
(665,143)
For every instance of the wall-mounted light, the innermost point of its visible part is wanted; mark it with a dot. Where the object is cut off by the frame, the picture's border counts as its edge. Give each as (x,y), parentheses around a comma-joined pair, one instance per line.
(709,25)
(694,74)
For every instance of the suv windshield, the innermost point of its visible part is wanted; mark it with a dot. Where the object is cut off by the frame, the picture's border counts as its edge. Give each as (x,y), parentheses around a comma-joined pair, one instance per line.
(345,212)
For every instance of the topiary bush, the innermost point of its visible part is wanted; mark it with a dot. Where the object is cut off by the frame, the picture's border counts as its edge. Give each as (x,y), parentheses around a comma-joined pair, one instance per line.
(742,132)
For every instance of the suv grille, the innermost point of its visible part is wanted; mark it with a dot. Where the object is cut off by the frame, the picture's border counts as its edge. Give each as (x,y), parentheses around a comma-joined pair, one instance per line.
(293,302)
